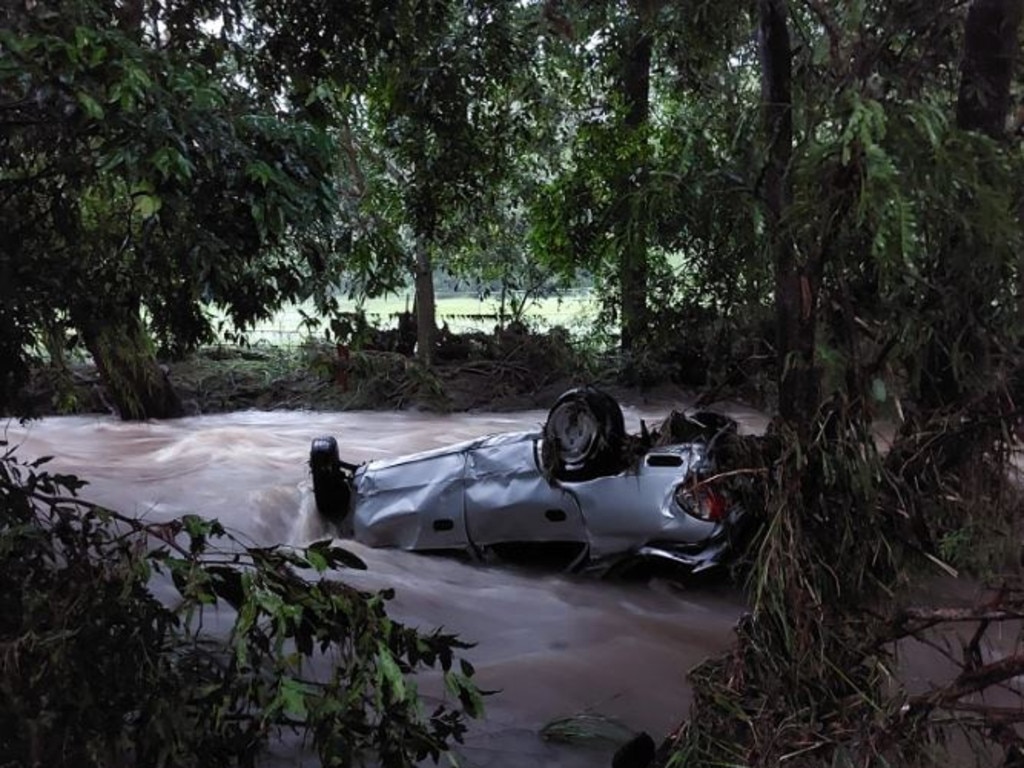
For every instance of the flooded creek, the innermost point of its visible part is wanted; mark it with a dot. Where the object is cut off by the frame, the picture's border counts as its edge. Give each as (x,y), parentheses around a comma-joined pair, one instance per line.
(552,645)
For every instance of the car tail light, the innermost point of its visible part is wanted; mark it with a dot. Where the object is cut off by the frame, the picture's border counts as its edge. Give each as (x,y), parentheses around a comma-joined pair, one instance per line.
(702,502)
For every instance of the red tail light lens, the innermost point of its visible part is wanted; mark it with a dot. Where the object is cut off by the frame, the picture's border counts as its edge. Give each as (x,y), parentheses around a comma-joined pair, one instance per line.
(703,503)
(715,504)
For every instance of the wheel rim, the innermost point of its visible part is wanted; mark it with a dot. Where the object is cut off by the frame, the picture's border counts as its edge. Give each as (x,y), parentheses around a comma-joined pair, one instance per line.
(575,429)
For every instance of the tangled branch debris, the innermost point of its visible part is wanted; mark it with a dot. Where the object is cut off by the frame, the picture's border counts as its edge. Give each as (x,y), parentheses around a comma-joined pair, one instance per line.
(813,677)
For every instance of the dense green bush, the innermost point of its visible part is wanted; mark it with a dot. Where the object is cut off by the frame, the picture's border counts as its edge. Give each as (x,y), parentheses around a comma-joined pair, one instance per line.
(95,670)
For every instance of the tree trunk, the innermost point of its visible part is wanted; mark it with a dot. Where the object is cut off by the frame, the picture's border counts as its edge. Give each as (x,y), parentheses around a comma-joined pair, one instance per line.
(990,50)
(635,84)
(983,103)
(123,352)
(426,305)
(796,285)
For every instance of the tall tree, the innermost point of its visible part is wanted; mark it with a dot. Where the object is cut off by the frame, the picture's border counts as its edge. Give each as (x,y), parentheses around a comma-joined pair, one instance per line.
(990,51)
(445,117)
(634,82)
(959,335)
(596,211)
(139,181)
(435,90)
(896,241)
(795,284)
(619,201)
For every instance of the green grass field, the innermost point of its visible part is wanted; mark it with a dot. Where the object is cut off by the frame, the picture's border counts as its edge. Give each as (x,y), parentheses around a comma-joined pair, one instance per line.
(462,313)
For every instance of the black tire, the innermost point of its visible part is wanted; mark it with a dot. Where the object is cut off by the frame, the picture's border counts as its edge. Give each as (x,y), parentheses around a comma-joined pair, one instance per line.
(583,435)
(332,488)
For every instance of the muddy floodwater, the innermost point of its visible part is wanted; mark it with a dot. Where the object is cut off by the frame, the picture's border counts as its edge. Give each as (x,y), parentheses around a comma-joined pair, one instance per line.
(552,645)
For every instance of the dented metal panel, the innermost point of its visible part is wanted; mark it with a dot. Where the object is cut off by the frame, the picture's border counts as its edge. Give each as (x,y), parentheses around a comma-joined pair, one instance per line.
(508,499)
(627,510)
(414,503)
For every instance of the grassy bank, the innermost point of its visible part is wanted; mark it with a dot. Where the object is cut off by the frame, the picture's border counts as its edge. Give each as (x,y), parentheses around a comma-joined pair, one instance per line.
(462,313)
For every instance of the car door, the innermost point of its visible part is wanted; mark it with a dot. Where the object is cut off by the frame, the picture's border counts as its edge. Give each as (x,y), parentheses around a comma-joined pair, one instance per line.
(509,500)
(415,502)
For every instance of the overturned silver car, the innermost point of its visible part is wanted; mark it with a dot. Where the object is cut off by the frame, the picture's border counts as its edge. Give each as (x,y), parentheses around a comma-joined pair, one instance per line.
(580,487)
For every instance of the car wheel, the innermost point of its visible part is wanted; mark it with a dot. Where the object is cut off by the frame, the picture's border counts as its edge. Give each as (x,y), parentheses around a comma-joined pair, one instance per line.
(583,435)
(331,484)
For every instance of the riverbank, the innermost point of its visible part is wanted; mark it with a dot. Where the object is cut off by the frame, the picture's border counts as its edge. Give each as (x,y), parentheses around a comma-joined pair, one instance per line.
(507,371)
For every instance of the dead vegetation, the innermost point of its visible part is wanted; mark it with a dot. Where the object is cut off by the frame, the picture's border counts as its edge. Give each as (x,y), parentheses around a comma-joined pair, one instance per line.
(508,370)
(818,673)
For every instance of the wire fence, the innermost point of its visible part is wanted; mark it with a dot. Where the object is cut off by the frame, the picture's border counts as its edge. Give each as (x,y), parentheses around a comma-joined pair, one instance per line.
(573,312)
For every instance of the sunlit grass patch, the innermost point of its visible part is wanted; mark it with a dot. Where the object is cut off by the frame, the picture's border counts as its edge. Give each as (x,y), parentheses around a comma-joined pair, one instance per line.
(461,313)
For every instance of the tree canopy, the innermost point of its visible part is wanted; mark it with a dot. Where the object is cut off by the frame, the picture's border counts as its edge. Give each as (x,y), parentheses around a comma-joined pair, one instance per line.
(159,159)
(138,176)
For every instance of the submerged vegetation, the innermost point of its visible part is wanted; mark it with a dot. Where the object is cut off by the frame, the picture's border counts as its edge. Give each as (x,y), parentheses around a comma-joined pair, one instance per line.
(132,643)
(819,200)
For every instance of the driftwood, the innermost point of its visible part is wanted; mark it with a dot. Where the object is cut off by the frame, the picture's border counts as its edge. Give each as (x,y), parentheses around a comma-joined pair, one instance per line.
(964,698)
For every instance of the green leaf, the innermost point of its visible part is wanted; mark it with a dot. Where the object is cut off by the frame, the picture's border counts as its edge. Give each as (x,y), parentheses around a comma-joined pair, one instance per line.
(316,560)
(878,390)
(97,55)
(82,35)
(390,672)
(339,556)
(261,172)
(292,694)
(114,160)
(171,164)
(91,107)
(148,205)
(468,694)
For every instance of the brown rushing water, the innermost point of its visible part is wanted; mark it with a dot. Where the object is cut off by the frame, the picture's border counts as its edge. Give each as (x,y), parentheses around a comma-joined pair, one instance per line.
(552,645)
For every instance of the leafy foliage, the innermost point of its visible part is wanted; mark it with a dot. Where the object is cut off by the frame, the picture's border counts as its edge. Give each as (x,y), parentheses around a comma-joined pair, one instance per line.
(883,209)
(645,169)
(136,177)
(97,670)
(429,100)
(814,675)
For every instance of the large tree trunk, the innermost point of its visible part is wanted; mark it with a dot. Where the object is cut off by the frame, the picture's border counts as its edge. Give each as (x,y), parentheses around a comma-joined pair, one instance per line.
(990,50)
(426,305)
(796,285)
(123,352)
(983,103)
(635,85)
